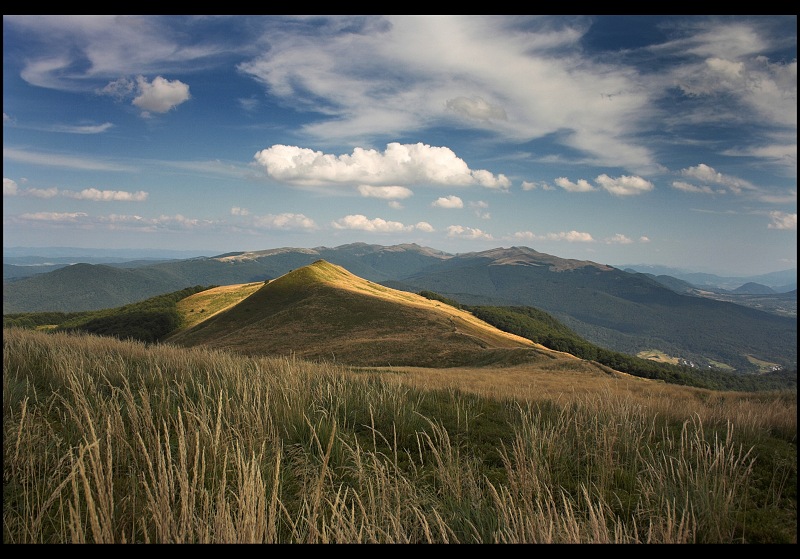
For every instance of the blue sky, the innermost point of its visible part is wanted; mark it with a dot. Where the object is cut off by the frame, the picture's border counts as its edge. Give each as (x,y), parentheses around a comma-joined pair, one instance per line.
(616,139)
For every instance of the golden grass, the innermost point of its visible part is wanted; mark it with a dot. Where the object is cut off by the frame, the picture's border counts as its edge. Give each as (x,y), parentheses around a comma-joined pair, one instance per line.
(202,306)
(110,441)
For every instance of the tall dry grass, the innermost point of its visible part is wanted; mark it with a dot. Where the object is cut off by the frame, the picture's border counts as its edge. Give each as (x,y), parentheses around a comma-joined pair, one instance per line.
(108,441)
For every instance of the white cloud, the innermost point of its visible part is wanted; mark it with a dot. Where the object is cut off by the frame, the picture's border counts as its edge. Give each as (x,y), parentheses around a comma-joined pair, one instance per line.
(425,227)
(476,108)
(386,79)
(688,187)
(239,211)
(363,223)
(450,202)
(10,187)
(394,204)
(479,206)
(618,239)
(568,236)
(51,192)
(160,95)
(248,104)
(530,185)
(644,239)
(106,195)
(624,185)
(782,220)
(58,217)
(89,129)
(467,233)
(54,160)
(399,163)
(285,221)
(385,192)
(581,186)
(704,173)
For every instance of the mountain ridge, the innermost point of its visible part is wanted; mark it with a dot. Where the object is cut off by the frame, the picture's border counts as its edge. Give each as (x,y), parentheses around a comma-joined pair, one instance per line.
(322,311)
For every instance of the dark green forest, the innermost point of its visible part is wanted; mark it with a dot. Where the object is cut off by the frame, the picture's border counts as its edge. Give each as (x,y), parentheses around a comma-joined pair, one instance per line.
(542,328)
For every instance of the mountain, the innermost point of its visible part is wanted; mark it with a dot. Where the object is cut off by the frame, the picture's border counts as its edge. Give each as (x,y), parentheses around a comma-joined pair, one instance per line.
(323,312)
(614,309)
(609,307)
(782,281)
(87,287)
(94,287)
(753,288)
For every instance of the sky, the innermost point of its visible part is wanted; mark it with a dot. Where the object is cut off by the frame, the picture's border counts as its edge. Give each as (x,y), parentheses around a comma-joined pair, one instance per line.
(662,140)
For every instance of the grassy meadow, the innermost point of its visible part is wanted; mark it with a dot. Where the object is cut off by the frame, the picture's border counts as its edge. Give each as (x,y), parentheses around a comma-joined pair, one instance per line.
(109,441)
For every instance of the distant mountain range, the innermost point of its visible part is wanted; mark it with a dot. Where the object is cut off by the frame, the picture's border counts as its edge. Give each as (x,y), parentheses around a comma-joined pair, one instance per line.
(616,309)
(779,282)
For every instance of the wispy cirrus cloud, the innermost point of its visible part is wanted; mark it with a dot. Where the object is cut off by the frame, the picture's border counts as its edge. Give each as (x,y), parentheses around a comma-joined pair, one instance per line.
(67,161)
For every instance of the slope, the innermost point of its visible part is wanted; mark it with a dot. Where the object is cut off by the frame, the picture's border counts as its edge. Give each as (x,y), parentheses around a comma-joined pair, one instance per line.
(322,311)
(614,309)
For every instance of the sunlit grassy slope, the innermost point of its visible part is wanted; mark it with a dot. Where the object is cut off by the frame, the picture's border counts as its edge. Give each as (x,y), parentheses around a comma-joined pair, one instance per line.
(322,311)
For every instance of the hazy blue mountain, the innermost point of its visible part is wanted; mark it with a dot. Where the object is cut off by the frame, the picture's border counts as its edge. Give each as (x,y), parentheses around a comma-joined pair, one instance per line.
(781,282)
(753,288)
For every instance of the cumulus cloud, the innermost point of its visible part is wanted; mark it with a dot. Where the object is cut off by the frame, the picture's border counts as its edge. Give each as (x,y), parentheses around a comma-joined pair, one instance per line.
(624,185)
(239,211)
(376,225)
(58,217)
(161,95)
(782,220)
(10,187)
(285,221)
(476,108)
(462,232)
(618,239)
(568,236)
(425,227)
(385,192)
(51,192)
(644,239)
(479,208)
(399,163)
(581,186)
(530,185)
(707,174)
(449,202)
(106,195)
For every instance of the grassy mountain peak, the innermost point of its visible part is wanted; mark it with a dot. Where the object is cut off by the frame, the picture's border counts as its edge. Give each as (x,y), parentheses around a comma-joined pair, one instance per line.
(322,311)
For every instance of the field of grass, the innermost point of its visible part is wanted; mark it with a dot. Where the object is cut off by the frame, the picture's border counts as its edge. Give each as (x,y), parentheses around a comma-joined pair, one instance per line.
(656,355)
(200,306)
(110,441)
